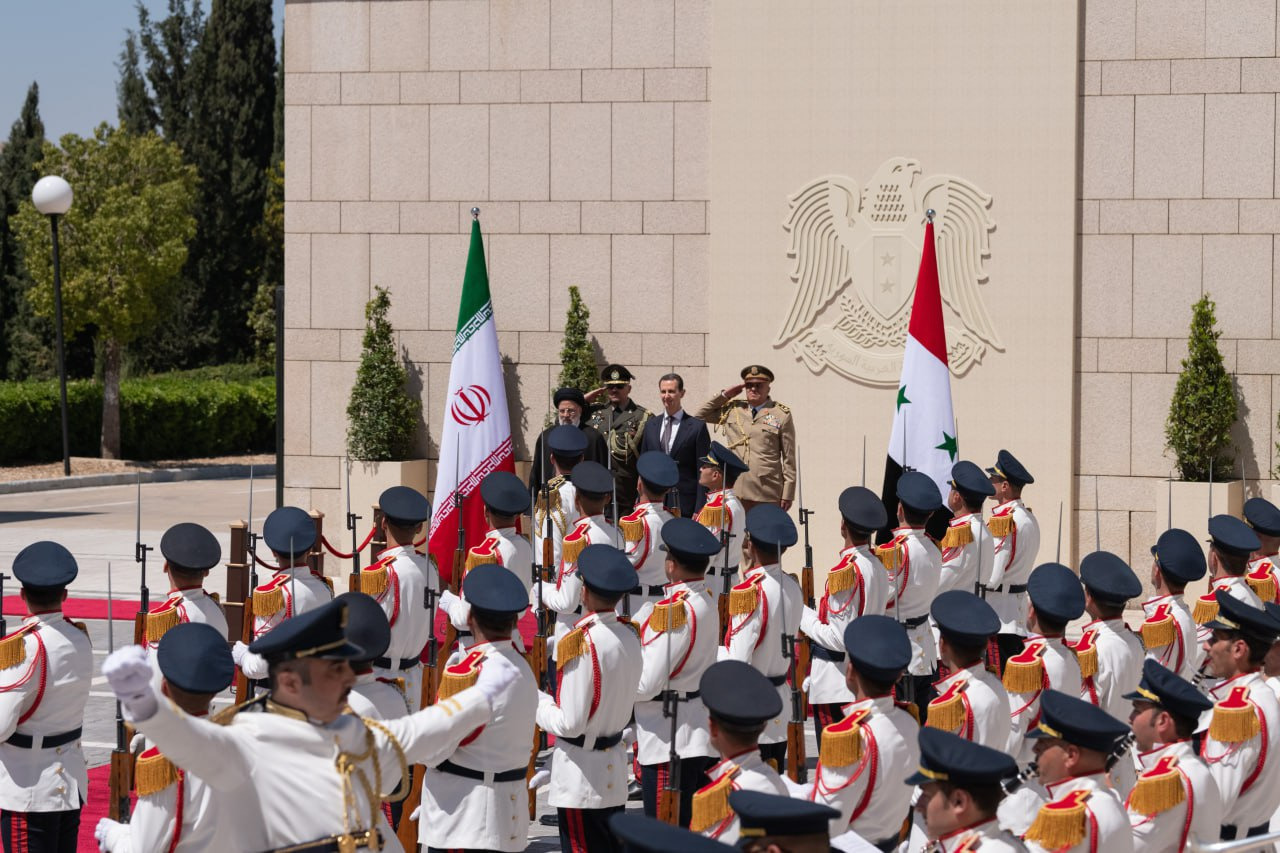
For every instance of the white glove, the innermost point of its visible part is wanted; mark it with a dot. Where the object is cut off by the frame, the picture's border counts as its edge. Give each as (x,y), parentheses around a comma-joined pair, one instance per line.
(448,600)
(797,790)
(253,665)
(539,779)
(804,685)
(138,743)
(238,651)
(629,735)
(106,832)
(416,813)
(129,673)
(495,677)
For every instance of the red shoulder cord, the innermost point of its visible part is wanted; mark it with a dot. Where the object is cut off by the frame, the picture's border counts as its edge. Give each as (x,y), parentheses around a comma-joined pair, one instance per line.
(177,812)
(44,672)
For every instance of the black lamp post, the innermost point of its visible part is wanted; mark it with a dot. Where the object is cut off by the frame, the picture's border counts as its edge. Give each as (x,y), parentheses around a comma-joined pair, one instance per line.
(52,197)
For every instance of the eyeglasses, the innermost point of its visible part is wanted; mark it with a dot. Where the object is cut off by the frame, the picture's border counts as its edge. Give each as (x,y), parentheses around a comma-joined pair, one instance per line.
(753,386)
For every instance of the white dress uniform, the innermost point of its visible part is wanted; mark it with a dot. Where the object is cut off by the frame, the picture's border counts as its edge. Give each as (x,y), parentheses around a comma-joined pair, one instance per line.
(765,605)
(746,771)
(379,698)
(863,760)
(1162,823)
(1016,535)
(503,547)
(1103,823)
(290,591)
(723,510)
(1242,749)
(190,604)
(1206,607)
(1118,667)
(856,586)
(564,515)
(398,580)
(1261,575)
(987,837)
(43,692)
(975,698)
(1059,669)
(678,642)
(477,798)
(1170,637)
(291,762)
(564,596)
(600,665)
(974,549)
(642,534)
(913,584)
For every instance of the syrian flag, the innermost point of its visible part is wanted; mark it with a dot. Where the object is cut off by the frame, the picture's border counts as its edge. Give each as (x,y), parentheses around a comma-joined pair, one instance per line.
(924,427)
(476,437)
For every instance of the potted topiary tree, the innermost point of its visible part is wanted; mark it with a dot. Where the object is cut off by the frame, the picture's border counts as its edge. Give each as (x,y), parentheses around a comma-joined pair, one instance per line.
(1198,434)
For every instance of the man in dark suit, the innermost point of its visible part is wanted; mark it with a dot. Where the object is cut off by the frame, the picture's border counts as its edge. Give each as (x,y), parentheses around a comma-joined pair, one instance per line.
(681,436)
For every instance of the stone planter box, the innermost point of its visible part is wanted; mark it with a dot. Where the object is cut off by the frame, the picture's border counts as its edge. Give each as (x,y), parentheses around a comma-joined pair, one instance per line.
(368,481)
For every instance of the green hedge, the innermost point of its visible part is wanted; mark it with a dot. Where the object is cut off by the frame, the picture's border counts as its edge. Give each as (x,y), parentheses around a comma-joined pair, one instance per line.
(208,412)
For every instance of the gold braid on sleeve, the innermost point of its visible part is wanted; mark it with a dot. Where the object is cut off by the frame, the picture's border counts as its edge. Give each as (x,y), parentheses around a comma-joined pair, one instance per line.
(404,763)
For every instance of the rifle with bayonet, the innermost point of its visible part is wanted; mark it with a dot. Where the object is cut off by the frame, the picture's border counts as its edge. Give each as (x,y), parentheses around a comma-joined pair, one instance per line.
(243,689)
(796,766)
(722,603)
(140,557)
(538,654)
(353,582)
(669,796)
(121,779)
(804,647)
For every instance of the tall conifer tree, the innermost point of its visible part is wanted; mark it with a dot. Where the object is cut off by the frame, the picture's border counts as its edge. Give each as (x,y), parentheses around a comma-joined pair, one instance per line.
(17,176)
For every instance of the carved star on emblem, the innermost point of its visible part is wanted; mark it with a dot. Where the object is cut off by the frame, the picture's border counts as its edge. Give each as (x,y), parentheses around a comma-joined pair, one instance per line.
(886,259)
(887,285)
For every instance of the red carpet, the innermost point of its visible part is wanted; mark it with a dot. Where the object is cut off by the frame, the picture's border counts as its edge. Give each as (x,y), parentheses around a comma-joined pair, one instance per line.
(80,608)
(95,807)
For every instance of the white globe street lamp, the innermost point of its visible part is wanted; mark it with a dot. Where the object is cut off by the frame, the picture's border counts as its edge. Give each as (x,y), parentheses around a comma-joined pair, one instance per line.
(52,196)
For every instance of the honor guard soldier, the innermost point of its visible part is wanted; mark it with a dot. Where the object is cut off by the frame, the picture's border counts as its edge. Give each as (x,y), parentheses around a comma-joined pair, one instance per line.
(856,586)
(768,822)
(1109,654)
(678,638)
(723,512)
(1168,631)
(1263,516)
(320,772)
(45,670)
(398,580)
(599,663)
(1017,542)
(915,563)
(640,834)
(961,786)
(764,607)
(621,421)
(762,432)
(592,484)
(505,500)
(476,799)
(1075,743)
(1244,729)
(971,702)
(190,551)
(740,703)
(1231,541)
(570,406)
(967,546)
(1046,660)
(560,499)
(865,756)
(176,810)
(1175,798)
(367,627)
(642,529)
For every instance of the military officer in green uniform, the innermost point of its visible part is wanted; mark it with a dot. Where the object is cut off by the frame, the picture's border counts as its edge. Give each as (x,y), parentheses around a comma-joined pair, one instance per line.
(762,433)
(621,421)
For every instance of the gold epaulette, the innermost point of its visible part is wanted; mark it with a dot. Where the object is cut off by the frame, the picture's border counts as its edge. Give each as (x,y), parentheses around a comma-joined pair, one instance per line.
(668,616)
(957,536)
(1206,609)
(13,648)
(782,406)
(551,498)
(478,559)
(711,516)
(1262,582)
(1061,823)
(571,645)
(1159,789)
(1024,672)
(890,555)
(463,674)
(373,578)
(268,599)
(82,626)
(842,579)
(1086,651)
(1000,525)
(159,621)
(711,803)
(743,598)
(842,741)
(1235,720)
(152,773)
(573,546)
(908,708)
(947,711)
(632,526)
(1159,629)
(217,599)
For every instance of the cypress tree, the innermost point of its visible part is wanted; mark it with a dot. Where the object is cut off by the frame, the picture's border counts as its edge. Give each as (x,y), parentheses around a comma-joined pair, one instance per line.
(577,355)
(18,175)
(134,106)
(170,50)
(1204,406)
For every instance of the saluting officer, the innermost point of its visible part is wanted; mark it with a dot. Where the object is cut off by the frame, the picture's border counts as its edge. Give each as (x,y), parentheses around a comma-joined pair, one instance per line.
(45,670)
(762,432)
(592,484)
(968,547)
(559,503)
(600,664)
(642,529)
(1017,542)
(1231,541)
(1168,631)
(621,422)
(1263,516)
(1175,797)
(190,551)
(723,512)
(476,799)
(856,586)
(176,810)
(971,702)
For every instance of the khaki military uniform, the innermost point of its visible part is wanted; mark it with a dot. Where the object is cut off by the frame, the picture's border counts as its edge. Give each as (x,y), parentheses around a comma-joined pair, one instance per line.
(766,442)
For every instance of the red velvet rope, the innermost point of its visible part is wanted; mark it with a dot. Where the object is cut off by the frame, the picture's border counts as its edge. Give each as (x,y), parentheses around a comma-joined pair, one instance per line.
(345,556)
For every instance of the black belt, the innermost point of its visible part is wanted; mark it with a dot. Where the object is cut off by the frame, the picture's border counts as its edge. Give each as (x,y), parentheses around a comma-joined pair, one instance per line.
(334,843)
(1231,833)
(916,622)
(778,680)
(47,742)
(601,743)
(648,590)
(404,663)
(1013,589)
(468,773)
(818,652)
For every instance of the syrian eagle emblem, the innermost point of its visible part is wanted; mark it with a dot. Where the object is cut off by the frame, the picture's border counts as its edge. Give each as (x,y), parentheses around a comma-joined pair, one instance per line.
(856,253)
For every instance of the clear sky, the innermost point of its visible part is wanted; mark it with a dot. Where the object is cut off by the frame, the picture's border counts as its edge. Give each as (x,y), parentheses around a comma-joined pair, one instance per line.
(70,47)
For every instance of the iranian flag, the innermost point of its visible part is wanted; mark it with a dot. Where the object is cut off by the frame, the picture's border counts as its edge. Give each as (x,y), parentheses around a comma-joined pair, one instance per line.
(476,437)
(924,427)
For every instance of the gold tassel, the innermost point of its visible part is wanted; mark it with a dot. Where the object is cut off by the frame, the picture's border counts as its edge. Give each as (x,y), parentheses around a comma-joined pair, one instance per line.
(958,536)
(153,773)
(268,602)
(742,599)
(1060,824)
(1234,718)
(1159,789)
(711,804)
(1087,655)
(947,711)
(668,617)
(711,516)
(217,599)
(1000,525)
(1159,632)
(841,580)
(842,741)
(373,580)
(453,683)
(571,549)
(1262,583)
(890,555)
(159,622)
(1206,609)
(632,529)
(474,559)
(13,648)
(571,645)
(1024,672)
(552,497)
